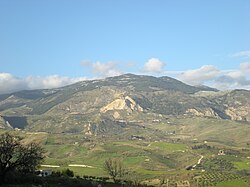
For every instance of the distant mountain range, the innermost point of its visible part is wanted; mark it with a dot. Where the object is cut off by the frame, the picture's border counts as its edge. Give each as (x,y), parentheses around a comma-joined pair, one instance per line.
(87,105)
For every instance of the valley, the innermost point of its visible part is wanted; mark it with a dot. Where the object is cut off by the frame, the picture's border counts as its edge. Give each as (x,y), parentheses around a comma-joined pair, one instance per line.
(165,151)
(166,133)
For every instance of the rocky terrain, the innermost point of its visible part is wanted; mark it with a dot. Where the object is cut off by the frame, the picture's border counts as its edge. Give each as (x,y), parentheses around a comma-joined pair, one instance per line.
(166,133)
(88,105)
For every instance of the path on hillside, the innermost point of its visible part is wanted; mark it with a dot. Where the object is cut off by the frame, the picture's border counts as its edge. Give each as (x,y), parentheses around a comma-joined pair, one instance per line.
(199,161)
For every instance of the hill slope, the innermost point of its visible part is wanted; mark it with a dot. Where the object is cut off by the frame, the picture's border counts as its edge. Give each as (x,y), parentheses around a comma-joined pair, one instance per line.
(87,105)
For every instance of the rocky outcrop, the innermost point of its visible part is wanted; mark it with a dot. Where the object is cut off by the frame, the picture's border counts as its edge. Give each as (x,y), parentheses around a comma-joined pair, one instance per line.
(207,112)
(123,103)
(2,123)
(87,129)
(239,113)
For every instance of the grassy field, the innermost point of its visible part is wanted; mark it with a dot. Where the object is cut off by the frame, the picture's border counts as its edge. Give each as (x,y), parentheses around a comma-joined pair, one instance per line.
(233,183)
(165,152)
(168,147)
(243,164)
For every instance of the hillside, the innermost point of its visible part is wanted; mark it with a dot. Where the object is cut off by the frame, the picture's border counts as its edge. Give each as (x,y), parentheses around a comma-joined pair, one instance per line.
(84,106)
(158,127)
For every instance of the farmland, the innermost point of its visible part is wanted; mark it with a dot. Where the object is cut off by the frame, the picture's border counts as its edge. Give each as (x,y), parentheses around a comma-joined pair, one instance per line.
(152,161)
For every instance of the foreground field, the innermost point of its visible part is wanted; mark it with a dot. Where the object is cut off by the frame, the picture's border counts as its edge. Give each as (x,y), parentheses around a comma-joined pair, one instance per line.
(182,151)
(233,183)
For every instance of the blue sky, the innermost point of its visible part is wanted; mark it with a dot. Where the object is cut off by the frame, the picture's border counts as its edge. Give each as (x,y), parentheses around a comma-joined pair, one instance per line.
(51,43)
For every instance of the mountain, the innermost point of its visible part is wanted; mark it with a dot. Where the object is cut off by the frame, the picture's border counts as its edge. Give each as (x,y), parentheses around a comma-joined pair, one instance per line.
(91,106)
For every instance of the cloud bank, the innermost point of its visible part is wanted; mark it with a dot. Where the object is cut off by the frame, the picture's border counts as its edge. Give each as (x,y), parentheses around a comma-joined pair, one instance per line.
(10,83)
(220,79)
(199,76)
(207,75)
(235,79)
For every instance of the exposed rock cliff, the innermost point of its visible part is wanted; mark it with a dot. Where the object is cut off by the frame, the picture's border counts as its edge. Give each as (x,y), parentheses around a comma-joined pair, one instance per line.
(123,103)
(239,113)
(207,112)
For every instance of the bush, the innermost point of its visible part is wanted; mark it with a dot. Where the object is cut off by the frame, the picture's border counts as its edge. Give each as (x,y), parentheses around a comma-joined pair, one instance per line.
(68,173)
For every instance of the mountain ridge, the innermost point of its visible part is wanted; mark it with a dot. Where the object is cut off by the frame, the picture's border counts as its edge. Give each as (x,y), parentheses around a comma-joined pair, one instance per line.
(126,97)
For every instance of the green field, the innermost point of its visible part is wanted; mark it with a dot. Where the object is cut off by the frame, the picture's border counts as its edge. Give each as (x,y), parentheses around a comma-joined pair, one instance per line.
(168,146)
(243,164)
(161,154)
(233,183)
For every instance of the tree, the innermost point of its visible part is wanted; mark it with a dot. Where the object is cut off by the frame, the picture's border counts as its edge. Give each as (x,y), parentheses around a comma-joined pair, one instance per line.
(15,156)
(68,173)
(115,168)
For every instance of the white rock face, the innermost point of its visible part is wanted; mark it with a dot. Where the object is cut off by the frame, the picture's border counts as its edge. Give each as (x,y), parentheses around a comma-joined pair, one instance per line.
(208,112)
(239,113)
(123,103)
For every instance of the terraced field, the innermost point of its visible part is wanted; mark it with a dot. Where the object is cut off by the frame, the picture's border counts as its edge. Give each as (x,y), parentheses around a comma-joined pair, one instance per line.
(164,151)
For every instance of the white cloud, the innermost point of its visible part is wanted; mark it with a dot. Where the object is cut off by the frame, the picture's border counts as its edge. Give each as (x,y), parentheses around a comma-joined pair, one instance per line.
(245,67)
(102,70)
(108,69)
(245,54)
(220,79)
(52,81)
(232,81)
(207,75)
(10,83)
(236,74)
(154,65)
(199,76)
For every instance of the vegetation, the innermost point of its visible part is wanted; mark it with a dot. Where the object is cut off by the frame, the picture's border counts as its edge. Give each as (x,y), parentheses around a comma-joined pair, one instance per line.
(114,168)
(42,110)
(16,157)
(233,183)
(68,173)
(145,160)
(183,135)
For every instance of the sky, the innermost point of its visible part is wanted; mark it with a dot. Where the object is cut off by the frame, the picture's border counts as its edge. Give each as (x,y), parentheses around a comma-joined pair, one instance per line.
(52,43)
